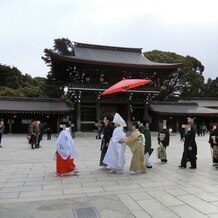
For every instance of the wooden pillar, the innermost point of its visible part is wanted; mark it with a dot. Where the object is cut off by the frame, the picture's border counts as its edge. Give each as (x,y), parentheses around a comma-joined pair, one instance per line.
(78,116)
(177,124)
(98,111)
(10,126)
(58,123)
(145,109)
(145,115)
(160,124)
(128,116)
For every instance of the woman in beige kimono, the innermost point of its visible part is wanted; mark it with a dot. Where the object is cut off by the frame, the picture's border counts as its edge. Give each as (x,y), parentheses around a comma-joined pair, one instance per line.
(136,144)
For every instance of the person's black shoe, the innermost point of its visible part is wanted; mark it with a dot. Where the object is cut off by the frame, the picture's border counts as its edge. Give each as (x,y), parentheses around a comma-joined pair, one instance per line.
(1,146)
(182,167)
(192,167)
(149,166)
(163,160)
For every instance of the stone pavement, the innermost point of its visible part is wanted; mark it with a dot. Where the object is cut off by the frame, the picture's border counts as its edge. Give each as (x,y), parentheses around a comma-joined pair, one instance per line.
(29,189)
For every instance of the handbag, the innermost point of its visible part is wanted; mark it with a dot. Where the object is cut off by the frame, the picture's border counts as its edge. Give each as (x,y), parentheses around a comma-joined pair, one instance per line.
(28,137)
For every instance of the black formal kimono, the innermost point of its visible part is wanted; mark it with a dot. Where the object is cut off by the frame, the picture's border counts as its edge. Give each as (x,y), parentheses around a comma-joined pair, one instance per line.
(213,140)
(108,132)
(190,150)
(165,142)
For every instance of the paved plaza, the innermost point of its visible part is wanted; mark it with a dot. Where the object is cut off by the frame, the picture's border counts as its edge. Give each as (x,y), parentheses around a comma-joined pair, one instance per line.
(28,187)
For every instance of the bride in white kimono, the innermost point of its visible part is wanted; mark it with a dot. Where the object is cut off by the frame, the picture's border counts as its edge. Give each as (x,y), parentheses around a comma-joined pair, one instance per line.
(114,157)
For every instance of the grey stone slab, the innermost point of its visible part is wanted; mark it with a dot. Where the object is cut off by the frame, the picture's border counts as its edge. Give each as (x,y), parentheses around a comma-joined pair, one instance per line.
(5,195)
(121,187)
(82,190)
(113,192)
(215,203)
(157,184)
(20,212)
(40,198)
(12,205)
(137,180)
(165,198)
(20,189)
(110,213)
(137,196)
(214,215)
(129,202)
(141,214)
(192,190)
(2,210)
(13,184)
(199,204)
(176,192)
(185,211)
(36,183)
(207,196)
(155,209)
(204,186)
(62,186)
(41,193)
(105,183)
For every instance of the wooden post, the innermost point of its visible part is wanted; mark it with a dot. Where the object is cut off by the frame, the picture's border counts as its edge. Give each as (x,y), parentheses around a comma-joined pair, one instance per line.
(128,116)
(78,117)
(10,126)
(98,111)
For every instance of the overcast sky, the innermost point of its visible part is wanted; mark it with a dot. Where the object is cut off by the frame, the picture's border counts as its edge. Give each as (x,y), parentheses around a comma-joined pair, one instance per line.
(187,27)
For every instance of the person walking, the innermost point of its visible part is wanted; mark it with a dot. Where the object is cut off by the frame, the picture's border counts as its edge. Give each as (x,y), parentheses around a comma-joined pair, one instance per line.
(182,132)
(36,131)
(48,131)
(107,134)
(190,149)
(31,134)
(136,143)
(164,141)
(213,140)
(2,127)
(65,153)
(115,156)
(42,130)
(147,150)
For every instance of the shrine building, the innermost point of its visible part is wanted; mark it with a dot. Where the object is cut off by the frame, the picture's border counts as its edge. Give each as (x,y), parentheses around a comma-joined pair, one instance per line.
(93,68)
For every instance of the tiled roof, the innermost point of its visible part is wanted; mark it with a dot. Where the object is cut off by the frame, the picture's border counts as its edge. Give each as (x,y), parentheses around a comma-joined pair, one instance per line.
(18,104)
(112,56)
(211,103)
(181,109)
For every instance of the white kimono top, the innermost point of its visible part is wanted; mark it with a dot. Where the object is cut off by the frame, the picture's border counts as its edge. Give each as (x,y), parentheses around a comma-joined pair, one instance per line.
(66,146)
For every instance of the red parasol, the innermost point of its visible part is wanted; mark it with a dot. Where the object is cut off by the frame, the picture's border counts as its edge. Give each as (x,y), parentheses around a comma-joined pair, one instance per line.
(125,85)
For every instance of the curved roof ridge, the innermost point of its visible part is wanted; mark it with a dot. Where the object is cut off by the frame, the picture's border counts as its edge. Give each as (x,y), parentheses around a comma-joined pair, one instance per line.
(107,47)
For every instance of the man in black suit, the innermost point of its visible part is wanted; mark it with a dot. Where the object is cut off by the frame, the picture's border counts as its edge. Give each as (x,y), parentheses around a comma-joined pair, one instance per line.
(108,132)
(190,149)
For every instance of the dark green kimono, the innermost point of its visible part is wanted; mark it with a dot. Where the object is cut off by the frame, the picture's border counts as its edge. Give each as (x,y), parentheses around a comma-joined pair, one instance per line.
(146,132)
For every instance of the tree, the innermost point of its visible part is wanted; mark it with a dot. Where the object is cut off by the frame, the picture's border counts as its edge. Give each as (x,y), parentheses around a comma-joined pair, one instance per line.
(53,88)
(211,88)
(61,46)
(14,83)
(7,91)
(10,76)
(186,82)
